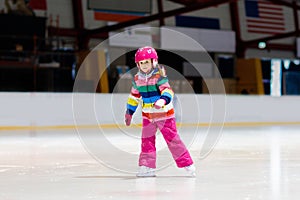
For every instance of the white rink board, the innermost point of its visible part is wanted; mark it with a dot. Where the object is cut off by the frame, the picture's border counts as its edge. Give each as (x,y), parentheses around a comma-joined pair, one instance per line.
(49,109)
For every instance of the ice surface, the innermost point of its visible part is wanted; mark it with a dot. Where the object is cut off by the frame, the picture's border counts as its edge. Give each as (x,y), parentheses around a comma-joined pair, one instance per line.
(246,163)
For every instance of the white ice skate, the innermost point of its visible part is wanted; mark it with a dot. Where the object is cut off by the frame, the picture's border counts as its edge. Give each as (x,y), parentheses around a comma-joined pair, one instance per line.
(191,170)
(146,172)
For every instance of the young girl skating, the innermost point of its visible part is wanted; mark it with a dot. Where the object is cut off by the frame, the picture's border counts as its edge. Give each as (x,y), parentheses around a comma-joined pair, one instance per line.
(151,87)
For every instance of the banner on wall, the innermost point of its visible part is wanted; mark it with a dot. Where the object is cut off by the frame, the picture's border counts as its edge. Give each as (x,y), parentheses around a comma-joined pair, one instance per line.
(197,22)
(119,10)
(38,4)
(116,17)
(134,36)
(210,40)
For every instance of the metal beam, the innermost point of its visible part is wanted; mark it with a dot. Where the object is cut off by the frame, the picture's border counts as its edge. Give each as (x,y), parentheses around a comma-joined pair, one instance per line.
(71,32)
(187,2)
(285,3)
(274,37)
(160,10)
(154,17)
(273,46)
(296,18)
(82,41)
(235,24)
(78,14)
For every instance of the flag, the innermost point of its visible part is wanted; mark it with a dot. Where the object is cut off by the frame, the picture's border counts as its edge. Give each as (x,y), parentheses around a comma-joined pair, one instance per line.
(38,4)
(264,17)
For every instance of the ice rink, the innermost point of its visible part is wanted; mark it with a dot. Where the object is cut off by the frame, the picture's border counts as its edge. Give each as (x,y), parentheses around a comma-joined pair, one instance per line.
(254,162)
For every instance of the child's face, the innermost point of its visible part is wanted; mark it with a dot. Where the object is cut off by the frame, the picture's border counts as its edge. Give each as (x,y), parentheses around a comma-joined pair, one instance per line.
(145,65)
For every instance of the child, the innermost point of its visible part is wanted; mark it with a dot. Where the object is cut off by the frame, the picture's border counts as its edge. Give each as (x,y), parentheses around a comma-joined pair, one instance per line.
(150,85)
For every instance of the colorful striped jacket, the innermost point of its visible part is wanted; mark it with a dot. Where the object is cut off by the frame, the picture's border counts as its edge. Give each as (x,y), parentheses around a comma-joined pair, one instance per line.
(147,89)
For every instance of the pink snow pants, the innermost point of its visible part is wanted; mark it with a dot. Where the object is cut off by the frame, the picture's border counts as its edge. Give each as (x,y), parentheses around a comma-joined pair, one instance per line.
(169,131)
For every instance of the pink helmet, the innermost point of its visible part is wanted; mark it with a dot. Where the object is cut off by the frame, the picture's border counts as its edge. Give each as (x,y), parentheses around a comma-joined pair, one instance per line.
(144,53)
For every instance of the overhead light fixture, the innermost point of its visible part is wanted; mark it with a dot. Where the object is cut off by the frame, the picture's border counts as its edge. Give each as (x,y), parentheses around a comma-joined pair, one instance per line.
(296,62)
(286,64)
(262,45)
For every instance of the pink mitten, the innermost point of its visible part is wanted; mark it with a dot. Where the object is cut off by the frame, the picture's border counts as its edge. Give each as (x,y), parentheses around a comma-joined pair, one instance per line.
(159,103)
(128,118)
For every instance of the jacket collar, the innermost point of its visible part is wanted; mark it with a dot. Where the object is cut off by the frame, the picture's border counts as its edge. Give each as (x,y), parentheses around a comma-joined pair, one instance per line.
(147,75)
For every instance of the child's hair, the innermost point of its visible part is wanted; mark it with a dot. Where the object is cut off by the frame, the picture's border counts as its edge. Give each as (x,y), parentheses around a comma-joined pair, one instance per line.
(162,70)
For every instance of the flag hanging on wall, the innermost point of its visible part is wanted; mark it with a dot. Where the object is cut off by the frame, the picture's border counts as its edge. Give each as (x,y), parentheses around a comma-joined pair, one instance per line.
(264,17)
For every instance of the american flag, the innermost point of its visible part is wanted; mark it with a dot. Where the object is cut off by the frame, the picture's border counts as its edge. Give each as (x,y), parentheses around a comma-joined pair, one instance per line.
(264,17)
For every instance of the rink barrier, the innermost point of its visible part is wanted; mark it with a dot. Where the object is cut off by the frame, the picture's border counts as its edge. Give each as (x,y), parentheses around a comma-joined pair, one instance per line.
(28,111)
(138,126)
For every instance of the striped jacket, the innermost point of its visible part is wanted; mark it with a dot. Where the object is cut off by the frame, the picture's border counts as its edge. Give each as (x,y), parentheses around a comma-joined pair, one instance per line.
(147,89)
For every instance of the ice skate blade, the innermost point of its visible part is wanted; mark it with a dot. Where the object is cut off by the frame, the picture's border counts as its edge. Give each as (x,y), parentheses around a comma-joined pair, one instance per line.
(193,175)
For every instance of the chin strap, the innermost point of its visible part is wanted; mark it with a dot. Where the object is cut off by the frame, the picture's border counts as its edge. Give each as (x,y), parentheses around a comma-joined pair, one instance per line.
(154,63)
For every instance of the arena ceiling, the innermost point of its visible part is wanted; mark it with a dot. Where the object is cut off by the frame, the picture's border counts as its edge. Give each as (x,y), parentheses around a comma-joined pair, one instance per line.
(83,35)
